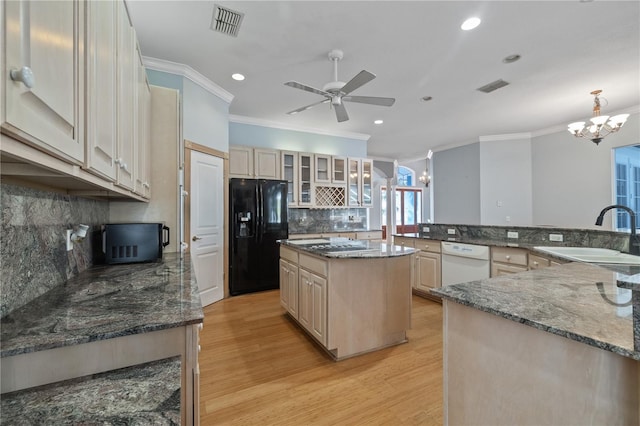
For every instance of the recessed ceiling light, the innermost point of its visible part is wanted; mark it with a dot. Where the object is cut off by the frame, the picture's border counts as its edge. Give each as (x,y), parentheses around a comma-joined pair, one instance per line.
(237,77)
(470,23)
(378,122)
(511,58)
(426,98)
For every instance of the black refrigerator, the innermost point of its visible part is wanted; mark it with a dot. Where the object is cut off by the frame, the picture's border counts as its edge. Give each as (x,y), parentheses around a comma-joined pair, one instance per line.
(257,219)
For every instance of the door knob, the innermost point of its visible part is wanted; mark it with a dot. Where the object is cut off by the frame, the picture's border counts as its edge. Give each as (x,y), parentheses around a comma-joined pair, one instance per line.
(195,238)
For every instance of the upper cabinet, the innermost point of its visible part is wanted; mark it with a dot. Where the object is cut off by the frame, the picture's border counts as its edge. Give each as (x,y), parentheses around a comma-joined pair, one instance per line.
(70,92)
(305,176)
(100,52)
(289,161)
(339,170)
(360,182)
(253,163)
(44,76)
(323,168)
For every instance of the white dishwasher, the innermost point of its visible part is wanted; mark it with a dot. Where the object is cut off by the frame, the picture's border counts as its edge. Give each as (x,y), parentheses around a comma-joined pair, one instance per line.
(464,262)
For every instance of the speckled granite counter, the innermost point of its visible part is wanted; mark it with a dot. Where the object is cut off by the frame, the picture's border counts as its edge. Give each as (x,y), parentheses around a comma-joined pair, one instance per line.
(143,394)
(106,302)
(354,249)
(579,301)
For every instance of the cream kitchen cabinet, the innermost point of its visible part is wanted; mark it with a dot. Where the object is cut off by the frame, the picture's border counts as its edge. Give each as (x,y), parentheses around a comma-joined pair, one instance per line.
(289,281)
(322,168)
(537,261)
(44,76)
(404,241)
(289,163)
(312,313)
(101,72)
(360,182)
(126,86)
(428,266)
(369,235)
(508,260)
(142,127)
(305,179)
(339,170)
(254,163)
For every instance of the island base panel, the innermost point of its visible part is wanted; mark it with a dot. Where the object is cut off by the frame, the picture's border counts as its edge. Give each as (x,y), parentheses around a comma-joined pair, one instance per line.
(500,372)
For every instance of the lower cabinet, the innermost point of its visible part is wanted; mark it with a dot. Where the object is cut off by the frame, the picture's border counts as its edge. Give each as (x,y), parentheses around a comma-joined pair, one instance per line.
(313,304)
(508,260)
(289,287)
(428,271)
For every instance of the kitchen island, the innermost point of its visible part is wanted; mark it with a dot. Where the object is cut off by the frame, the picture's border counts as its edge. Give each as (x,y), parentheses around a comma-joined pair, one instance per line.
(351,297)
(550,346)
(107,318)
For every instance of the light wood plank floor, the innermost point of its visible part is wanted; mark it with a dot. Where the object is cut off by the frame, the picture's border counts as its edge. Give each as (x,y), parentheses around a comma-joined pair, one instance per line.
(258,368)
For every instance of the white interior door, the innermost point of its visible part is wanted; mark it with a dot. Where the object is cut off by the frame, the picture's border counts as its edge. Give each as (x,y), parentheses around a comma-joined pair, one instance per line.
(207,225)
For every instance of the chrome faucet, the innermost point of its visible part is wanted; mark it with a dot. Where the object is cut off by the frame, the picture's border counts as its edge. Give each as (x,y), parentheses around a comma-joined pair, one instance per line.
(634,239)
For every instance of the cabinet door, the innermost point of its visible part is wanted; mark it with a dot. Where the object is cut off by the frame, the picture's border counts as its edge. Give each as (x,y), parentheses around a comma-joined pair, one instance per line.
(101,74)
(126,85)
(319,308)
(339,169)
(305,299)
(289,162)
(266,163)
(366,191)
(538,262)
(241,161)
(289,287)
(353,179)
(47,110)
(429,271)
(323,168)
(141,130)
(305,175)
(498,269)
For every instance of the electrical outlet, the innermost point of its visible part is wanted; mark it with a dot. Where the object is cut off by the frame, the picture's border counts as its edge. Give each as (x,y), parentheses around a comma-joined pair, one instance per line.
(556,237)
(69,242)
(451,231)
(425,229)
(512,234)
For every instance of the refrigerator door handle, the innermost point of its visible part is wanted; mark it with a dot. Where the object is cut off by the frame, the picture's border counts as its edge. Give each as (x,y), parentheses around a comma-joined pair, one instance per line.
(259,208)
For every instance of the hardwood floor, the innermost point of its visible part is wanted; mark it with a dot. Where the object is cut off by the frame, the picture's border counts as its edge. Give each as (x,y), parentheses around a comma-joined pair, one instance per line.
(258,368)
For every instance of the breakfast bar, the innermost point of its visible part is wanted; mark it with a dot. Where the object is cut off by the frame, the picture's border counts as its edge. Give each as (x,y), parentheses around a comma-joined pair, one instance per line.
(550,346)
(351,297)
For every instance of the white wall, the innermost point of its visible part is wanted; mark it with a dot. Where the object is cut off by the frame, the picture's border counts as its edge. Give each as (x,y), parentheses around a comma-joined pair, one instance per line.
(505,181)
(205,117)
(572,178)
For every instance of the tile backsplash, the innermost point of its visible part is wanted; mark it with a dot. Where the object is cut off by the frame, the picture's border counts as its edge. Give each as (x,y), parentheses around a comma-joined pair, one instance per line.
(33,255)
(313,221)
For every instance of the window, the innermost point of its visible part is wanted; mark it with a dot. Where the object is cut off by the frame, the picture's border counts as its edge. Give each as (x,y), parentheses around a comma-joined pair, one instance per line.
(627,184)
(406,176)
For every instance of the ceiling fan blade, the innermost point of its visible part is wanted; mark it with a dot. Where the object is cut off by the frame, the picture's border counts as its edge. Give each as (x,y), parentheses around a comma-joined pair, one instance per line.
(306,88)
(304,108)
(373,100)
(360,79)
(341,113)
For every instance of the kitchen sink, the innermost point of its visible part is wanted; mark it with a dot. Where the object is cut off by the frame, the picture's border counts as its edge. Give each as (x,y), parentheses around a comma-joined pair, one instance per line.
(592,255)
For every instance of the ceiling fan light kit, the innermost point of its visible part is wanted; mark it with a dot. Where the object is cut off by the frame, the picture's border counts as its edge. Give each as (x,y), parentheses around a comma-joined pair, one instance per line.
(336,91)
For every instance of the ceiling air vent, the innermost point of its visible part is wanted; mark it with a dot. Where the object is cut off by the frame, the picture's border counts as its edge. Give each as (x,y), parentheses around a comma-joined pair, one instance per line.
(494,85)
(226,21)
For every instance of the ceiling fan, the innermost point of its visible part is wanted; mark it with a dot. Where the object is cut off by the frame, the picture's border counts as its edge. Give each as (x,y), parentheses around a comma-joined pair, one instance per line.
(336,91)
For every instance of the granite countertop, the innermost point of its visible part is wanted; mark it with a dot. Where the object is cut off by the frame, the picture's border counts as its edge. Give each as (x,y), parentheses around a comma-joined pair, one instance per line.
(360,249)
(476,241)
(143,394)
(105,302)
(583,302)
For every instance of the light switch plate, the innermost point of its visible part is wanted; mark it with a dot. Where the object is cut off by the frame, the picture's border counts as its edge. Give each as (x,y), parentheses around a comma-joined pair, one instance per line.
(512,234)
(451,231)
(556,237)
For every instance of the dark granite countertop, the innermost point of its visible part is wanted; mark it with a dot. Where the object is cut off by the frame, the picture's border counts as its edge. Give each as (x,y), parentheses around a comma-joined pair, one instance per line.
(143,394)
(105,302)
(583,302)
(361,249)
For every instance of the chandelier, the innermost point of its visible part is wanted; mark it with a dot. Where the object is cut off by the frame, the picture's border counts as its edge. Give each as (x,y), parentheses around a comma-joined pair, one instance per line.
(600,126)
(425,178)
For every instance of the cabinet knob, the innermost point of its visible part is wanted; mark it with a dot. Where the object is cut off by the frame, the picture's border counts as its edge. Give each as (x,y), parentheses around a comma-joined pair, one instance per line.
(508,257)
(25,75)
(535,263)
(426,246)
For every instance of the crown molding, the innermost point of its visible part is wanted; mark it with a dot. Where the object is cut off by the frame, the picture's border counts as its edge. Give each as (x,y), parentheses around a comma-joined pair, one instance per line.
(276,125)
(504,137)
(187,72)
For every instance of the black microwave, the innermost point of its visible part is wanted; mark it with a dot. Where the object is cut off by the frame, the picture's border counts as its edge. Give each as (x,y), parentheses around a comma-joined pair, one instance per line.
(133,242)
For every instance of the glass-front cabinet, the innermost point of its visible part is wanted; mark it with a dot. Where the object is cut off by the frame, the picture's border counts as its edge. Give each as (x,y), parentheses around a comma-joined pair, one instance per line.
(323,168)
(305,176)
(367,183)
(289,161)
(339,170)
(353,184)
